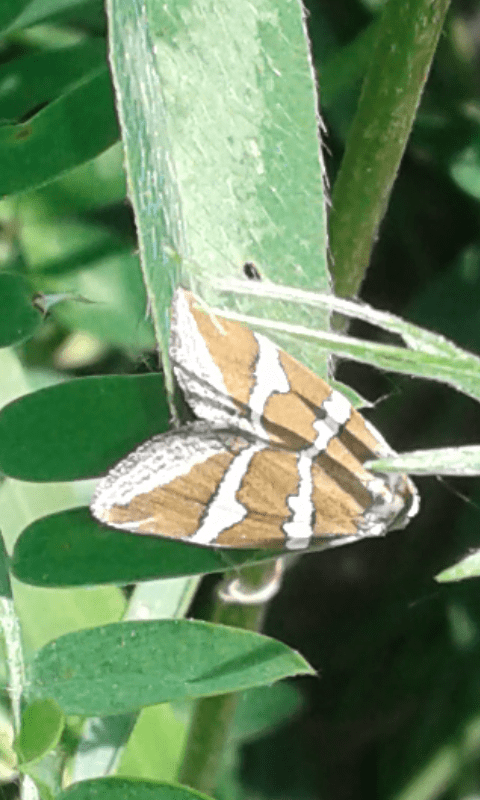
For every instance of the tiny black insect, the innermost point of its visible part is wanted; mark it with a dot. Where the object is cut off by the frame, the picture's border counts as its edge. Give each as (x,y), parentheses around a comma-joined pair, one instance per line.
(251,271)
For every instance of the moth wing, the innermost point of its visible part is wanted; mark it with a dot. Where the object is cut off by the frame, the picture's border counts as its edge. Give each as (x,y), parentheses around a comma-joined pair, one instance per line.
(214,487)
(231,375)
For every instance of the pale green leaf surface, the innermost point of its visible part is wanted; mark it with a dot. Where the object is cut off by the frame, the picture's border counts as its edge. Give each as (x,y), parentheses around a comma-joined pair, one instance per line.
(163,599)
(415,337)
(468,567)
(221,141)
(101,743)
(247,152)
(150,171)
(156,745)
(462,460)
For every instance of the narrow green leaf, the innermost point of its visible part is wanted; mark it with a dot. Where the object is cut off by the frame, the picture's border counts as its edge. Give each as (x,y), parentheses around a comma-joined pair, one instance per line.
(84,123)
(247,158)
(118,668)
(35,11)
(128,789)
(429,357)
(39,78)
(468,567)
(10,11)
(23,318)
(80,428)
(442,461)
(71,549)
(42,725)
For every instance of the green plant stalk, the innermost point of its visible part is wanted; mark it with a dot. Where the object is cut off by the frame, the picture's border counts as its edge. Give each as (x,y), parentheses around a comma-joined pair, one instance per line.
(406,43)
(211,722)
(15,667)
(212,717)
(10,625)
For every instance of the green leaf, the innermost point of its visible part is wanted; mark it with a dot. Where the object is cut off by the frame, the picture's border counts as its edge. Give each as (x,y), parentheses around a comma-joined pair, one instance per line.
(42,725)
(93,185)
(10,11)
(23,318)
(35,11)
(217,108)
(254,119)
(80,428)
(426,354)
(156,745)
(83,122)
(118,668)
(39,78)
(442,461)
(468,567)
(465,169)
(102,742)
(71,549)
(57,249)
(128,789)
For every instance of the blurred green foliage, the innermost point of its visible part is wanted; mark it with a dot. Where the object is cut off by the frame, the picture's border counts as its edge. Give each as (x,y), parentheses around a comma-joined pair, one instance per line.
(395,711)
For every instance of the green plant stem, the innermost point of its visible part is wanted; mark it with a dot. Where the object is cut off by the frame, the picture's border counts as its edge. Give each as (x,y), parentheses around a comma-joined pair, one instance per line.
(14,654)
(406,43)
(16,679)
(213,716)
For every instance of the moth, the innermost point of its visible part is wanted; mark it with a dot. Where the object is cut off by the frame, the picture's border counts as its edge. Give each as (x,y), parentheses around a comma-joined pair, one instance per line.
(275,460)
